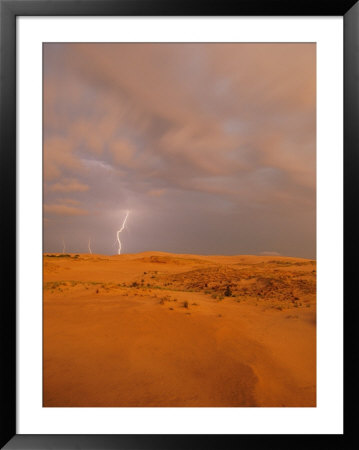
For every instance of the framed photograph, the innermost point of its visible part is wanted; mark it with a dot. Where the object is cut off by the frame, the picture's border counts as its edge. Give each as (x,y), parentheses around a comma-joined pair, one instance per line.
(173,181)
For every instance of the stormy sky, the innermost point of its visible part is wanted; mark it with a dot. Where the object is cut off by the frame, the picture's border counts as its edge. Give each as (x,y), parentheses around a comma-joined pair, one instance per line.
(211,147)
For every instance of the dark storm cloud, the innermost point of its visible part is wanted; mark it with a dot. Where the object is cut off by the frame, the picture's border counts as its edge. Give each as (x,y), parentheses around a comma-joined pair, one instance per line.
(211,147)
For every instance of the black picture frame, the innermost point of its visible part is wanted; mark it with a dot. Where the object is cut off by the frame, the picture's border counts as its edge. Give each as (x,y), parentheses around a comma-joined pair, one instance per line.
(9,10)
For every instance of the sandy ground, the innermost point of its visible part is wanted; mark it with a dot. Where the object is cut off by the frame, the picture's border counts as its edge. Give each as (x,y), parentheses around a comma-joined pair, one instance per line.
(158,329)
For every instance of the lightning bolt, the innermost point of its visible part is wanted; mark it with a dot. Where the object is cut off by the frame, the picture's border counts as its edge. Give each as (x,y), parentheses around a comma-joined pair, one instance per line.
(63,245)
(89,246)
(119,231)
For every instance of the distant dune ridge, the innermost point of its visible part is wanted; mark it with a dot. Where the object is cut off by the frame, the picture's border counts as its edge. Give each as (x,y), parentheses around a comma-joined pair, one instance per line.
(162,329)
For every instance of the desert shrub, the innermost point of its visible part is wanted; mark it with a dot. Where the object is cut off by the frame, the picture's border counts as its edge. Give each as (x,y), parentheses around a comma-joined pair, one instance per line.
(185,304)
(134,284)
(164,299)
(214,295)
(97,291)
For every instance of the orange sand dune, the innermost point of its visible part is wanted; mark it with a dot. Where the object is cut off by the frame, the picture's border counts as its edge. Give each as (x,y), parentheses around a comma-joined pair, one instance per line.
(159,329)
